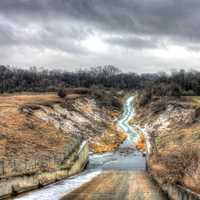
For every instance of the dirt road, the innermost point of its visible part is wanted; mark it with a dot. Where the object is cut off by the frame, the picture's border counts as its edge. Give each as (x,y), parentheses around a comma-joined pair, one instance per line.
(118,185)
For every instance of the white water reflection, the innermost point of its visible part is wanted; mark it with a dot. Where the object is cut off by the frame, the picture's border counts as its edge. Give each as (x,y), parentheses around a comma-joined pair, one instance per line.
(123,123)
(126,157)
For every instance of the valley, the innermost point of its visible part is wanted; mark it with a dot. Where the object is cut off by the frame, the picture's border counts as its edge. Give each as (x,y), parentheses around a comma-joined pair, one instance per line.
(84,146)
(114,172)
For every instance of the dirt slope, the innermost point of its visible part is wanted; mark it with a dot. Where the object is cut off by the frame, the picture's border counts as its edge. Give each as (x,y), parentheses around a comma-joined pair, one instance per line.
(33,126)
(23,135)
(175,125)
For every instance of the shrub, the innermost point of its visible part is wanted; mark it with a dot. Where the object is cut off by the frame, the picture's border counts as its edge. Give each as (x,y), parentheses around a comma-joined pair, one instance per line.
(173,90)
(109,101)
(79,90)
(62,93)
(144,98)
(116,103)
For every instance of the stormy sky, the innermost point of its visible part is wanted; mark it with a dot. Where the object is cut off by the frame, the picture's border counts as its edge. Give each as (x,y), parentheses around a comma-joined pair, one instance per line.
(133,35)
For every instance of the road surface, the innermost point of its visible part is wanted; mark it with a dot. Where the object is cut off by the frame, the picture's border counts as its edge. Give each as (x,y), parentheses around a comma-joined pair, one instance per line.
(118,185)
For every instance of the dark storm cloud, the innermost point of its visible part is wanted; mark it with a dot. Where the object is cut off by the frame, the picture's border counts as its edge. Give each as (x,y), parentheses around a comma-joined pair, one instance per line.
(171,18)
(62,25)
(42,36)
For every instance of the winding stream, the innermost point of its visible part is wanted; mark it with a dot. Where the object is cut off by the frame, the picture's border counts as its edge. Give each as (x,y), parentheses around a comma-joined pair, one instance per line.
(125,158)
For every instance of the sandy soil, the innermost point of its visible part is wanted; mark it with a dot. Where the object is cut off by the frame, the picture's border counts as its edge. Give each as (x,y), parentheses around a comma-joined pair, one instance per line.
(118,185)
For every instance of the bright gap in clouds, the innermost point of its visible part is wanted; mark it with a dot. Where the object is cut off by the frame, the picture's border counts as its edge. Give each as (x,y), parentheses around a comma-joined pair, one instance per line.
(95,44)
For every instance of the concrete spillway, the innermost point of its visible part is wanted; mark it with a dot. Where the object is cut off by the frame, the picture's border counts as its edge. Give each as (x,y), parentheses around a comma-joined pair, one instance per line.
(126,158)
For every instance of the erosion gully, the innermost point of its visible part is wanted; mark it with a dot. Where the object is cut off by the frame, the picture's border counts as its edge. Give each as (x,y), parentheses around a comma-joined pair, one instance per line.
(125,158)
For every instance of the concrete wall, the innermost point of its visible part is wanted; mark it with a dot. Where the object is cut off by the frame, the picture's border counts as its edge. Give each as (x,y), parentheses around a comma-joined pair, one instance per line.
(12,167)
(19,184)
(177,192)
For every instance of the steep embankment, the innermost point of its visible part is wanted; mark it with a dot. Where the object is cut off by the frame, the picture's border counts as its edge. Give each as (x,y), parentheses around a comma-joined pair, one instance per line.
(89,117)
(173,125)
(124,175)
(42,136)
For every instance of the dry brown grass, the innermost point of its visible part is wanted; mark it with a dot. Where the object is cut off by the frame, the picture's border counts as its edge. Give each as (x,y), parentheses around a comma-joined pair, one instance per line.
(141,143)
(195,100)
(180,166)
(108,141)
(25,135)
(178,144)
(114,114)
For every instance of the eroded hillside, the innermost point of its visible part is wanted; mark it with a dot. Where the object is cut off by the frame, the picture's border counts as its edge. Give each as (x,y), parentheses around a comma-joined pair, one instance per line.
(35,125)
(174,125)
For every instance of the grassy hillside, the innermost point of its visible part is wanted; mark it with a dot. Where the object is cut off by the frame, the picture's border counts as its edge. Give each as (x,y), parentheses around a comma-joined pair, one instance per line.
(44,126)
(24,135)
(175,125)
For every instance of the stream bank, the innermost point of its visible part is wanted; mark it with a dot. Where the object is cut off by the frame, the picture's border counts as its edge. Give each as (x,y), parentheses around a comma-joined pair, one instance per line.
(27,182)
(126,158)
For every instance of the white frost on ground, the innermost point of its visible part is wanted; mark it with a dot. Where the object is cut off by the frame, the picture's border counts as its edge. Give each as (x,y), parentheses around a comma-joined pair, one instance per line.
(59,189)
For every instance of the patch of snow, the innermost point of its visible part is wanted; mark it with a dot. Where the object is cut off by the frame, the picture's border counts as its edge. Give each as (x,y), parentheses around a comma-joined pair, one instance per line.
(60,189)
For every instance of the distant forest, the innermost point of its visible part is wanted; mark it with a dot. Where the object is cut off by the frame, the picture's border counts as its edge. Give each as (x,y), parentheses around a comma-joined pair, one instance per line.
(161,84)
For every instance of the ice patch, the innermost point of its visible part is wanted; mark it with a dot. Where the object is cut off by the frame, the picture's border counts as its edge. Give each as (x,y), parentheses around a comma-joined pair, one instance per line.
(59,189)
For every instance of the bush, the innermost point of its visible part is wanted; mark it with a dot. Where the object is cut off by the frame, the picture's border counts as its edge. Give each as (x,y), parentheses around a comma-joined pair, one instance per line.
(165,89)
(144,98)
(62,93)
(116,103)
(79,90)
(108,100)
(174,90)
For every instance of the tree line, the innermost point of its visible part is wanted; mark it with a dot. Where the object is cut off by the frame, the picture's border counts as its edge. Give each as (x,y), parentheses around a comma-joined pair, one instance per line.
(161,84)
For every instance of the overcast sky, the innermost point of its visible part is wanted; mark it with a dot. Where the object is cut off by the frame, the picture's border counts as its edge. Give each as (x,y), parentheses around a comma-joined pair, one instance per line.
(133,35)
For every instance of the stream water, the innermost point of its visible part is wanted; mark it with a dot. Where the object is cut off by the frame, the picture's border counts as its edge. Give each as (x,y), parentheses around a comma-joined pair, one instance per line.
(125,158)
